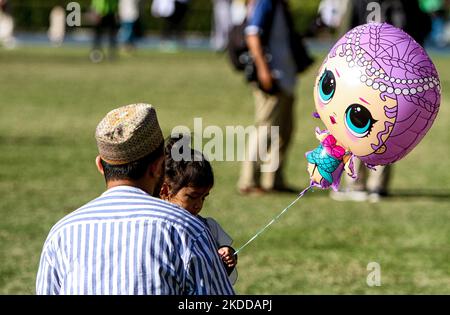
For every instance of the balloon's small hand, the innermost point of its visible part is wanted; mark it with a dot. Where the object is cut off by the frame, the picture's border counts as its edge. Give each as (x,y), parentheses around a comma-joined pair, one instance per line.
(314,174)
(321,135)
(349,170)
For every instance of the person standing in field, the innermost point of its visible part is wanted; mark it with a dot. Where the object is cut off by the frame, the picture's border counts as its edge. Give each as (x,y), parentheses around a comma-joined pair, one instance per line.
(105,14)
(270,40)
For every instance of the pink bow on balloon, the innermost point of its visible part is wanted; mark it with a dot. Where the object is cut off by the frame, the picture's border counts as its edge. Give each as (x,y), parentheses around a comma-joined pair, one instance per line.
(329,143)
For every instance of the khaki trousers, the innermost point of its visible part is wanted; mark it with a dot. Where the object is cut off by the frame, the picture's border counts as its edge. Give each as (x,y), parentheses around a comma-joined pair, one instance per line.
(266,148)
(369,180)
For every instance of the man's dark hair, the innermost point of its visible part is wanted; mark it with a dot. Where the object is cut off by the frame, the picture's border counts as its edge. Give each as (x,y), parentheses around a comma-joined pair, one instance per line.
(134,170)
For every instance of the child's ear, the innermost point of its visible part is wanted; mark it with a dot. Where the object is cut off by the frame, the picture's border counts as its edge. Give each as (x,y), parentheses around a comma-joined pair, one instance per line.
(164,192)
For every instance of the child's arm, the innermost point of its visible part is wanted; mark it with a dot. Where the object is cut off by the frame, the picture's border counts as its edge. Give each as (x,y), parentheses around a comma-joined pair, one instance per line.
(228,257)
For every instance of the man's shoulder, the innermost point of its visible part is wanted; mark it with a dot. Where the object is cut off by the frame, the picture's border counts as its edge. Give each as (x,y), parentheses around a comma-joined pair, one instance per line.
(122,205)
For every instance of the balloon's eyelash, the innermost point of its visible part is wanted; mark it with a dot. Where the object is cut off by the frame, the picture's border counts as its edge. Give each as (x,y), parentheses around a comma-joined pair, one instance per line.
(371,127)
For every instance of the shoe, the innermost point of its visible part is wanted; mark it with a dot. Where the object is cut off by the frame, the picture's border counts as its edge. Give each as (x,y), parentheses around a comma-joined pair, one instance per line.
(376,196)
(356,195)
(252,191)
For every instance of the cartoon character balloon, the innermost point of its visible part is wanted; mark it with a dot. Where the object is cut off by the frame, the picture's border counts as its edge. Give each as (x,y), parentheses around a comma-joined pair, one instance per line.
(378,93)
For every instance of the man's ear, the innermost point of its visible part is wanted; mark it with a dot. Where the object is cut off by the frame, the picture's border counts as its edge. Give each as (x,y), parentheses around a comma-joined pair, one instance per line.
(99,165)
(156,169)
(164,193)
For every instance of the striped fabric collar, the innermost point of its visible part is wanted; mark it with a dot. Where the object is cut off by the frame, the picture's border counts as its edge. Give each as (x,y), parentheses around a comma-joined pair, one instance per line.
(135,190)
(125,189)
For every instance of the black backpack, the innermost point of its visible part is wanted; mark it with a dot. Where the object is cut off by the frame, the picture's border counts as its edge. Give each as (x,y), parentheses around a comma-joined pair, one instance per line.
(240,57)
(237,47)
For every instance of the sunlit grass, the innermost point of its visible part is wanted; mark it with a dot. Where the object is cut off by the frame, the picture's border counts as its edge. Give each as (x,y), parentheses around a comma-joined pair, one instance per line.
(52,99)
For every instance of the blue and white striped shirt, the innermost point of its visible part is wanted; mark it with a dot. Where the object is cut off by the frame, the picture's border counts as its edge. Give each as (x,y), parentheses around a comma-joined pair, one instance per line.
(127,242)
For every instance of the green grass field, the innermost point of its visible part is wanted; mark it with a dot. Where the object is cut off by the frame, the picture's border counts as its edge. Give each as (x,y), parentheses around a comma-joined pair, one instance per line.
(52,99)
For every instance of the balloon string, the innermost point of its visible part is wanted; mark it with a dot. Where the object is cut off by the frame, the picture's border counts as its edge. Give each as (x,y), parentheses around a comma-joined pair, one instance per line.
(300,195)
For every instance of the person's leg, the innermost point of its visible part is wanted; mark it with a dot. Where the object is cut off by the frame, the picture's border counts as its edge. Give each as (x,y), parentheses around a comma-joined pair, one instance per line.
(98,32)
(125,33)
(282,115)
(258,140)
(171,34)
(96,55)
(7,30)
(177,20)
(353,189)
(378,180)
(132,35)
(112,26)
(359,183)
(222,24)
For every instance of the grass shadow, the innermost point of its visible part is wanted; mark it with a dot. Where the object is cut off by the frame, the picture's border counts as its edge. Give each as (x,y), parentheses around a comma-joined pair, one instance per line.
(442,194)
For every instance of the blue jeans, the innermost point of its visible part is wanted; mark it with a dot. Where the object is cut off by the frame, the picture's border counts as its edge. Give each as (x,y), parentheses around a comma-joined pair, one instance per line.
(126,33)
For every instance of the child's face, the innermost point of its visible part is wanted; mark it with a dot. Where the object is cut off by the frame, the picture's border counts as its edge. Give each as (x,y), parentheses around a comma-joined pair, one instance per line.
(352,111)
(190,198)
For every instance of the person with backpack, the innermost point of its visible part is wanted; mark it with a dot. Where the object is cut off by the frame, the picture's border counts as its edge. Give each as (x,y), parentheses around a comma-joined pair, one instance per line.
(105,14)
(277,56)
(173,13)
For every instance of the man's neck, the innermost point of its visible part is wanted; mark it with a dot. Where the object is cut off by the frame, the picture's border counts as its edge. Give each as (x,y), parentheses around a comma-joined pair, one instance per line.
(133,183)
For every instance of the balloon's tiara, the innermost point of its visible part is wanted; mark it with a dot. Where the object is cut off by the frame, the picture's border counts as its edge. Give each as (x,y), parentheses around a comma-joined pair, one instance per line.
(425,83)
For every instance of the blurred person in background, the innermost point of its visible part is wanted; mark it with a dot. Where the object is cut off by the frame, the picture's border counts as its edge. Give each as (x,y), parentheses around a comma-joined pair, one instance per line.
(332,12)
(173,12)
(221,24)
(438,11)
(404,14)
(373,184)
(129,23)
(106,19)
(57,28)
(238,11)
(370,184)
(6,25)
(269,36)
(330,19)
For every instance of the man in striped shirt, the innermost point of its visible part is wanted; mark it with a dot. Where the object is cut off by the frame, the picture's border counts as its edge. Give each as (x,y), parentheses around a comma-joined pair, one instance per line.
(126,241)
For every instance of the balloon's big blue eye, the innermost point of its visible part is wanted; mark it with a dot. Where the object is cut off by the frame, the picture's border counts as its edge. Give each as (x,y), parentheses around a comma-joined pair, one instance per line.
(327,86)
(359,120)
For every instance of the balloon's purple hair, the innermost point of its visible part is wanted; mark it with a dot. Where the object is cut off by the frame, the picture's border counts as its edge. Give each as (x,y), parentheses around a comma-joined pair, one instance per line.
(397,67)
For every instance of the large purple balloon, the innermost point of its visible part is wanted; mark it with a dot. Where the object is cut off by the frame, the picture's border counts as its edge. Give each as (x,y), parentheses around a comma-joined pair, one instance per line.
(394,67)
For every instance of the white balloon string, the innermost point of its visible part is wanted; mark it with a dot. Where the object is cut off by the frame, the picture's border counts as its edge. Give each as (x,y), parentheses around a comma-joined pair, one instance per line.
(300,195)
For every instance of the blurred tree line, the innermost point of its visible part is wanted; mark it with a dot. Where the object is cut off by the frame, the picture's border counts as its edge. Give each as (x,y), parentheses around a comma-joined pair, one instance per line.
(33,15)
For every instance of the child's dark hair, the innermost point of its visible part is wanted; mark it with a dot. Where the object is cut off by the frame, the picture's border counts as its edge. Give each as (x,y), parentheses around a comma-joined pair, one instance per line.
(185,168)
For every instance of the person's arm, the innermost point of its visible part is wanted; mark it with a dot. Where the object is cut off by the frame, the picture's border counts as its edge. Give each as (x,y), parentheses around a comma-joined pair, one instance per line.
(47,282)
(263,71)
(259,13)
(206,274)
